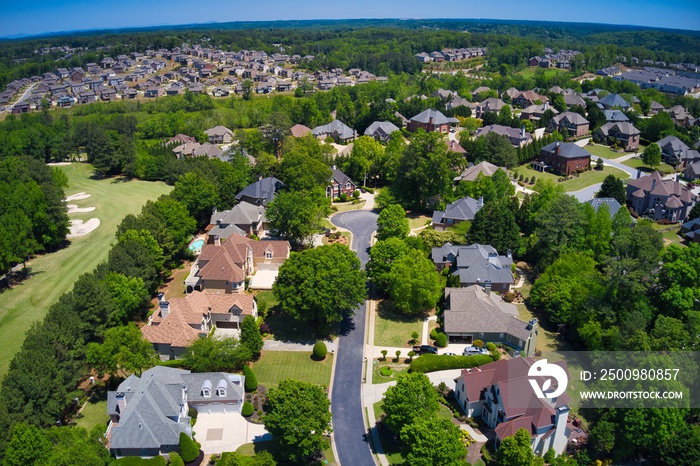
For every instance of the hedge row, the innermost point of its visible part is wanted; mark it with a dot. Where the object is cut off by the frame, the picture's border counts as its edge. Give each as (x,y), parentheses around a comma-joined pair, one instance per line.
(138,461)
(436,362)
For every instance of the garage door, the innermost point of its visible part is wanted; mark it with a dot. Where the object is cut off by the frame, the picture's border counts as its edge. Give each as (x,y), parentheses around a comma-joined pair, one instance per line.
(215,409)
(224,324)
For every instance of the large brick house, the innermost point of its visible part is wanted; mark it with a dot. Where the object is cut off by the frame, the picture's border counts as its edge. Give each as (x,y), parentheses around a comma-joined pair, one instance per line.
(340,183)
(476,264)
(570,124)
(219,135)
(563,158)
(429,120)
(501,395)
(661,199)
(624,132)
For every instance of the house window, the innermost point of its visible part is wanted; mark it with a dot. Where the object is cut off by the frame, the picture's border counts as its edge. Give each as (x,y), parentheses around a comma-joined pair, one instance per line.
(268,254)
(500,335)
(221,391)
(206,393)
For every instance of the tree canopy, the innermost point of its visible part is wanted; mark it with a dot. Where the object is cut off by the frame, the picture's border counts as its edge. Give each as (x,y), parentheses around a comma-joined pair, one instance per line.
(412,398)
(414,285)
(392,223)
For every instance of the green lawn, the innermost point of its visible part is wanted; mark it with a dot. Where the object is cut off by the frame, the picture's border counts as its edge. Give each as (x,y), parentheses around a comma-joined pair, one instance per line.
(275,366)
(592,177)
(417,221)
(584,180)
(599,150)
(530,71)
(345,206)
(397,369)
(391,329)
(251,449)
(638,163)
(53,274)
(93,414)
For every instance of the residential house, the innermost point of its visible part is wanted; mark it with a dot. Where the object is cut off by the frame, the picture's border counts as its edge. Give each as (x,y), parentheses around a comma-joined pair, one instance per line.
(517,137)
(655,108)
(453,146)
(148,413)
(492,105)
(572,99)
(615,116)
(674,151)
(195,149)
(153,92)
(475,313)
(461,210)
(613,205)
(569,124)
(340,183)
(562,159)
(381,130)
(429,120)
(612,101)
(479,90)
(219,135)
(526,98)
(623,133)
(536,111)
(472,172)
(181,139)
(680,115)
(660,199)
(225,267)
(299,131)
(460,102)
(262,192)
(501,395)
(336,130)
(692,171)
(691,230)
(243,219)
(476,264)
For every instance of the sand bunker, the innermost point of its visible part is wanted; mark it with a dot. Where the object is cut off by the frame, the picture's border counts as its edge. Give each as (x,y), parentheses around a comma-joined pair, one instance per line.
(77,197)
(80,228)
(74,209)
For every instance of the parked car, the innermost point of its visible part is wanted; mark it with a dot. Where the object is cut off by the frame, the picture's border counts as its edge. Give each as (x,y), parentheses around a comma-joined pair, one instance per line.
(425,349)
(473,350)
(449,354)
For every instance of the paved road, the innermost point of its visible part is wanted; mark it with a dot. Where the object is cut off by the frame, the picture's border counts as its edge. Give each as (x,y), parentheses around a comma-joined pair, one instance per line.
(346,399)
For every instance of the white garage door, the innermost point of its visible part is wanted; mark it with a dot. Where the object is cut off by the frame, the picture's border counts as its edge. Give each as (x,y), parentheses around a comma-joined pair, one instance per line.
(216,408)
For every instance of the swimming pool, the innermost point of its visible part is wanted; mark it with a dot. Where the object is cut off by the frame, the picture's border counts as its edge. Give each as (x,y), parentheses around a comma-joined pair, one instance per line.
(197,245)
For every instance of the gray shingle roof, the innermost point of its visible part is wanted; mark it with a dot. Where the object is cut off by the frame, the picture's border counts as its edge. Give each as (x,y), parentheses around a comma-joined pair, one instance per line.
(461,209)
(613,205)
(614,100)
(426,115)
(263,190)
(567,149)
(470,309)
(381,128)
(335,128)
(477,263)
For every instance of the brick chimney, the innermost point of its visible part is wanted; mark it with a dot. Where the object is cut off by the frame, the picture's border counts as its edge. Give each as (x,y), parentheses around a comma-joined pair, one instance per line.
(164,309)
(557,148)
(487,287)
(522,132)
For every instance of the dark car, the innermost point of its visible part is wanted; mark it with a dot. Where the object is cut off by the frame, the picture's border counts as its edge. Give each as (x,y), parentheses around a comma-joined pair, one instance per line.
(425,349)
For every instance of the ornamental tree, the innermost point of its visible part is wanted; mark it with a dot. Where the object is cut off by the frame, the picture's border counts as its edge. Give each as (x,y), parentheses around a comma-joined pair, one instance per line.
(298,417)
(412,398)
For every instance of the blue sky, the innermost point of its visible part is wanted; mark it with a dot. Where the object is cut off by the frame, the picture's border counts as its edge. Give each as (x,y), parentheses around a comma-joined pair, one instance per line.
(39,16)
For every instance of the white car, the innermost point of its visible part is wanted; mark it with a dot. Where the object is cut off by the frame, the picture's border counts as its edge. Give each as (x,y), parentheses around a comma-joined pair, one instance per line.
(473,350)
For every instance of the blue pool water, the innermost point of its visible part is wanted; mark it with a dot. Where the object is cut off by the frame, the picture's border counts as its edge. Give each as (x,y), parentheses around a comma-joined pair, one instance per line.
(197,245)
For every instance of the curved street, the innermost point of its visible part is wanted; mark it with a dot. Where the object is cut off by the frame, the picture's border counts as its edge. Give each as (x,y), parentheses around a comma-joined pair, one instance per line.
(349,429)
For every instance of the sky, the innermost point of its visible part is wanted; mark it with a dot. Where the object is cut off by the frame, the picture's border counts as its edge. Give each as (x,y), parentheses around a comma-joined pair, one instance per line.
(41,16)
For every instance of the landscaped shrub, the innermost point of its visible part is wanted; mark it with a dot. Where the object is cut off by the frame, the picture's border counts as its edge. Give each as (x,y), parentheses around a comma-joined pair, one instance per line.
(356,194)
(509,297)
(188,448)
(414,337)
(384,352)
(264,328)
(138,461)
(434,362)
(441,340)
(533,180)
(192,413)
(491,346)
(386,371)
(247,410)
(343,197)
(433,334)
(251,382)
(478,343)
(411,354)
(176,459)
(320,351)
(520,178)
(495,354)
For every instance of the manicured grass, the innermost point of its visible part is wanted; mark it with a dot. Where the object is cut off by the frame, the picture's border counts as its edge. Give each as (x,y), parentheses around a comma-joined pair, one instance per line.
(345,206)
(638,163)
(392,448)
(584,180)
(53,274)
(598,150)
(530,71)
(397,369)
(275,366)
(251,449)
(267,297)
(417,221)
(346,234)
(93,414)
(391,329)
(592,177)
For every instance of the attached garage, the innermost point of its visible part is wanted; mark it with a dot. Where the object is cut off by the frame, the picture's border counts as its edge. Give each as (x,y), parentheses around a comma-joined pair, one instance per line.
(217,408)
(227,324)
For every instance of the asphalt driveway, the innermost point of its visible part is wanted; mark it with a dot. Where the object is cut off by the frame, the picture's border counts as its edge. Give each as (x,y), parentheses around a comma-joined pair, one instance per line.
(346,399)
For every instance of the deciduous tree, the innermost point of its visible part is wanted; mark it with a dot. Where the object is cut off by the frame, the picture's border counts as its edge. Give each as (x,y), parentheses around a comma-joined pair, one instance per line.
(433,441)
(298,417)
(392,223)
(412,398)
(414,284)
(652,155)
(613,187)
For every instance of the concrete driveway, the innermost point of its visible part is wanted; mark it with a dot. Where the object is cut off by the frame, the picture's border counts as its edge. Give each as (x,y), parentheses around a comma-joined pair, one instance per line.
(218,432)
(263,279)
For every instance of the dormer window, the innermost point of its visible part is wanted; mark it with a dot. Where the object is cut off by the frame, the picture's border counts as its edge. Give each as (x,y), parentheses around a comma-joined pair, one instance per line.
(268,254)
(206,389)
(221,388)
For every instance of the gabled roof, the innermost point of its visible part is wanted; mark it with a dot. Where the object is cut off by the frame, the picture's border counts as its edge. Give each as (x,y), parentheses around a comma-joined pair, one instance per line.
(566,149)
(613,205)
(217,131)
(299,130)
(478,263)
(655,185)
(461,209)
(263,190)
(335,127)
(339,177)
(381,128)
(426,116)
(615,115)
(624,128)
(672,145)
(472,310)
(472,172)
(571,118)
